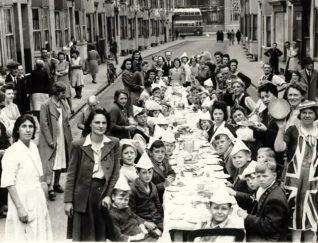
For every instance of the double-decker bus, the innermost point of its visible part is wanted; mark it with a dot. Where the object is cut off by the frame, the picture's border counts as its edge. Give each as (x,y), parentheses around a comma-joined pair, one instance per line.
(188,21)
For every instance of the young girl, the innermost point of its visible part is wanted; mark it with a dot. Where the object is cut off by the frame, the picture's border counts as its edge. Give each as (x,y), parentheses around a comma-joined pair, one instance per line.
(128,156)
(162,170)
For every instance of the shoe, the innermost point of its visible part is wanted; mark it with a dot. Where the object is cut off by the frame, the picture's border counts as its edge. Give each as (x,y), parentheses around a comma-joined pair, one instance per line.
(72,112)
(94,82)
(76,96)
(58,189)
(52,195)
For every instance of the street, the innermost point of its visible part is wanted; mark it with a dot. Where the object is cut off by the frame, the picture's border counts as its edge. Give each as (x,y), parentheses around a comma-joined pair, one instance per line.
(192,46)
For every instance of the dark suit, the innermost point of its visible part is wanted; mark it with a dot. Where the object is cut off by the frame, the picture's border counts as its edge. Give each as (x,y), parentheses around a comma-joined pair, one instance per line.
(274,55)
(311,82)
(9,79)
(269,218)
(159,176)
(166,67)
(146,206)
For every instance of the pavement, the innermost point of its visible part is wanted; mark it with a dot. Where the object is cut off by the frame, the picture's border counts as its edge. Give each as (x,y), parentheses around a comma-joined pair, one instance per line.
(102,83)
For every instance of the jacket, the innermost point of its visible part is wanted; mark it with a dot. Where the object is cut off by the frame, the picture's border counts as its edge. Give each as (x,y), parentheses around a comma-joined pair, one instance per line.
(80,171)
(146,206)
(159,176)
(126,223)
(118,121)
(49,117)
(269,218)
(312,84)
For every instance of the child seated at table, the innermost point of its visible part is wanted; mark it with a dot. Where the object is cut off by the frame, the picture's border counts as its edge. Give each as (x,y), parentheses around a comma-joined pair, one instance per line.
(144,199)
(269,218)
(221,206)
(241,157)
(128,153)
(127,225)
(163,173)
(246,194)
(169,141)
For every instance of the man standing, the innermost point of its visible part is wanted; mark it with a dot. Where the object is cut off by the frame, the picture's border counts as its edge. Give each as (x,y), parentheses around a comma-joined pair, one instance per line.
(274,53)
(309,77)
(113,49)
(49,65)
(14,71)
(269,76)
(168,64)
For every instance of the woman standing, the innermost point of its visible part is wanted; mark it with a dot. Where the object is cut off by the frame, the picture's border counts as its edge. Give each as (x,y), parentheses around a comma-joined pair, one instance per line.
(91,177)
(136,61)
(176,74)
(295,94)
(132,85)
(300,143)
(61,74)
(119,124)
(55,138)
(293,60)
(28,216)
(92,62)
(77,77)
(10,113)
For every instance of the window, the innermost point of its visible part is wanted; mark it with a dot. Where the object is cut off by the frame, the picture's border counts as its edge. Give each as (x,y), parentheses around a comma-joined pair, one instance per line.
(101,25)
(46,25)
(254,30)
(152,27)
(77,26)
(140,23)
(146,28)
(8,31)
(316,33)
(131,23)
(123,27)
(88,22)
(37,40)
(58,30)
(66,24)
(268,31)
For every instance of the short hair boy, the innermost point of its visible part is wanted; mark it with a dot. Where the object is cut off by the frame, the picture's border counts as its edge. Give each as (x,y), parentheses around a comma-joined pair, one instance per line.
(144,199)
(127,225)
(163,173)
(221,207)
(269,219)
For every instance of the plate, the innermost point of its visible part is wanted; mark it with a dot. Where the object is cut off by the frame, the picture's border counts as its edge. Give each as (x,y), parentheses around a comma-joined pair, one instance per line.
(224,176)
(172,189)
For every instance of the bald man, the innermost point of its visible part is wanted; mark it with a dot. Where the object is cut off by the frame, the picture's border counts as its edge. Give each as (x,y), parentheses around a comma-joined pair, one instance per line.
(92,104)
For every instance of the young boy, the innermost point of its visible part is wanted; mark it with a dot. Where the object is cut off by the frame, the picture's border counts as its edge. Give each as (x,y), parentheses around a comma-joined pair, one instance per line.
(127,225)
(241,157)
(144,200)
(163,173)
(221,207)
(169,141)
(269,218)
(245,195)
(265,154)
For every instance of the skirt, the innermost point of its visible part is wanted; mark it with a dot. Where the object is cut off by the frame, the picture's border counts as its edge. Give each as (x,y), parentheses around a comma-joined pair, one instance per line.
(37,99)
(95,223)
(92,67)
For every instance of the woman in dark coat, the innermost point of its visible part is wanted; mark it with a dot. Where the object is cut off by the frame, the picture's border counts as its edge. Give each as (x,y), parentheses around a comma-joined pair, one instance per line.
(119,124)
(91,177)
(136,59)
(55,138)
(132,86)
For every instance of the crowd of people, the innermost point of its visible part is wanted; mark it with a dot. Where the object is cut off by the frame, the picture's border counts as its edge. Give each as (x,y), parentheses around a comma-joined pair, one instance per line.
(118,170)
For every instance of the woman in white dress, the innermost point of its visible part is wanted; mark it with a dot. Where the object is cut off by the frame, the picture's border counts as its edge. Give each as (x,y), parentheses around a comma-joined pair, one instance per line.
(77,76)
(28,216)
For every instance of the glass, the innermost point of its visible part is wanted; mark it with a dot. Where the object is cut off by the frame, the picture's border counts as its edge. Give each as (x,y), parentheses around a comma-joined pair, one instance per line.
(35,19)
(10,47)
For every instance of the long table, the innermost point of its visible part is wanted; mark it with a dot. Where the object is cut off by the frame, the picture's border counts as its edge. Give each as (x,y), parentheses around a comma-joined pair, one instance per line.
(198,172)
